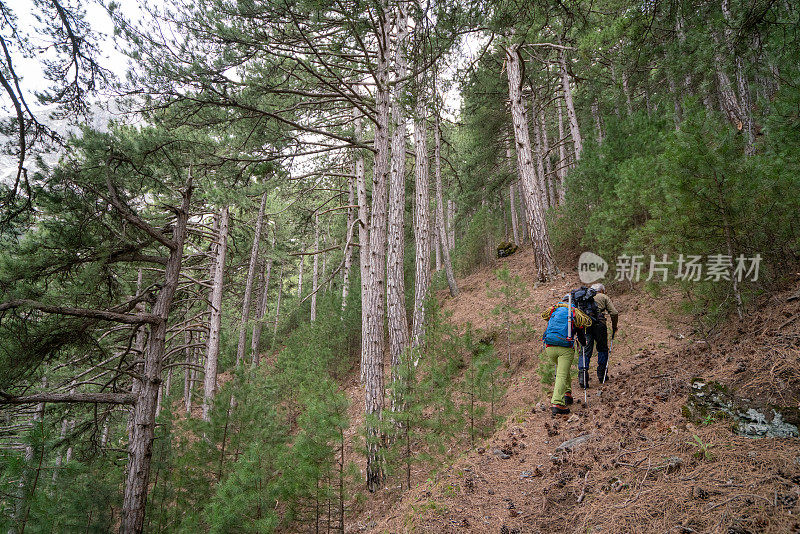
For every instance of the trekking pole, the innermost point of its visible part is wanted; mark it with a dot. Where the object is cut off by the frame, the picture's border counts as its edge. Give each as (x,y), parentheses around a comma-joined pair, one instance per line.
(585,394)
(608,361)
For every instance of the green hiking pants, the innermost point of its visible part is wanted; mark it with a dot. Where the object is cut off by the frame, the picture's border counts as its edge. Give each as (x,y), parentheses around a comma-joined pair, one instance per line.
(562,358)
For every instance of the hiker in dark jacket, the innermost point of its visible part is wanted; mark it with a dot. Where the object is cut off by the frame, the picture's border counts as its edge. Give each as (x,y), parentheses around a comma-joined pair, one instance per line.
(597,335)
(559,342)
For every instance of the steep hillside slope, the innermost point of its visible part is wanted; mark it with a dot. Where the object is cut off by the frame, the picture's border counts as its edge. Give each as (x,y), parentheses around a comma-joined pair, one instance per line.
(637,464)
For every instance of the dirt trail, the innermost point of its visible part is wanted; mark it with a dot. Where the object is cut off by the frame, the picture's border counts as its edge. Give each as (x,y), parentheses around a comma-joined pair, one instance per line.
(641,466)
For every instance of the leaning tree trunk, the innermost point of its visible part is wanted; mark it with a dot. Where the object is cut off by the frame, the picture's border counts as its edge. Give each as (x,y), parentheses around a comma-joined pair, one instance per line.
(395,279)
(375,298)
(540,239)
(248,288)
(422,222)
(215,321)
(573,118)
(140,448)
(440,221)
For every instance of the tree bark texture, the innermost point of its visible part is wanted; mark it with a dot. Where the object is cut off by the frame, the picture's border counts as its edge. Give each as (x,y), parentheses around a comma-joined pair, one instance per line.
(545,265)
(248,288)
(215,320)
(140,448)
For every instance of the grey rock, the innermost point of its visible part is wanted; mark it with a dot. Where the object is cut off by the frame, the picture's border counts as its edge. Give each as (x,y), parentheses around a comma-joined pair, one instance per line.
(500,454)
(710,401)
(674,463)
(572,444)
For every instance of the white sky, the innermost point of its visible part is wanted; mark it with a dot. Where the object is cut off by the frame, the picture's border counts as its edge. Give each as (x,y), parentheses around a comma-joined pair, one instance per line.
(30,69)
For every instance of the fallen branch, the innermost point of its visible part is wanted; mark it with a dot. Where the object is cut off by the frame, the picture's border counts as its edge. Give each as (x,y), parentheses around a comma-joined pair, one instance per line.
(751,495)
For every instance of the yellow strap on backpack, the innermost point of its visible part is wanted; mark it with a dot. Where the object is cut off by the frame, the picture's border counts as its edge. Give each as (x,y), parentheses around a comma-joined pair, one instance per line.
(581,319)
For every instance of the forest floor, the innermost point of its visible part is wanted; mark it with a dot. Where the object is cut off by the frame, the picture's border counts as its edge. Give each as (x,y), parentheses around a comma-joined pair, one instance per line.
(641,465)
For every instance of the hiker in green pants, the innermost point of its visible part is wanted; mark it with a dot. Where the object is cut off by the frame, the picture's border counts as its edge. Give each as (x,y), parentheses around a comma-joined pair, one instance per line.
(564,324)
(562,392)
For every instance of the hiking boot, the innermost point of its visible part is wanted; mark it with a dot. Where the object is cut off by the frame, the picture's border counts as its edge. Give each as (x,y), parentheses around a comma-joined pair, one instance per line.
(602,376)
(557,409)
(568,398)
(583,378)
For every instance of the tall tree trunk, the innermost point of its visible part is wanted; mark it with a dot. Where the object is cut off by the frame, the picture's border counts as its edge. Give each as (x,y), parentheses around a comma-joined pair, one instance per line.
(215,321)
(315,271)
(139,344)
(573,118)
(538,152)
(374,300)
(615,84)
(548,167)
(442,227)
(140,448)
(679,23)
(261,312)
(598,125)
(728,100)
(300,272)
(744,103)
(451,217)
(523,221)
(561,168)
(626,90)
(489,250)
(248,288)
(512,194)
(502,199)
(395,276)
(422,220)
(26,487)
(545,265)
(436,245)
(168,383)
(325,241)
(187,374)
(277,307)
(59,457)
(348,251)
(676,101)
(512,200)
(363,232)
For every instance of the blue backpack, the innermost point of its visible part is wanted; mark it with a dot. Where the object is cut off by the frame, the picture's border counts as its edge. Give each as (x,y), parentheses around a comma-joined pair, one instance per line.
(556,332)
